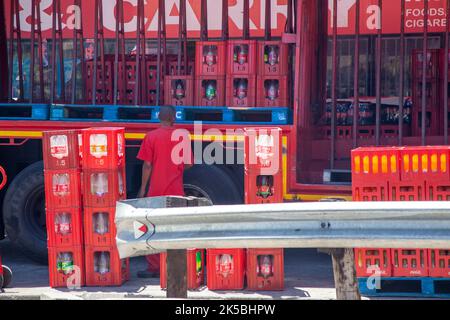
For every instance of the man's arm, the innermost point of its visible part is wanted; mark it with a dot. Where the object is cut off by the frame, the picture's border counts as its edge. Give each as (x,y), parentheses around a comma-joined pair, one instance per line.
(146,174)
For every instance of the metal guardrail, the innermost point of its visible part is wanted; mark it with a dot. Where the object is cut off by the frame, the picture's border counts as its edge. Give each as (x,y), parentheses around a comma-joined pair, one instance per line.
(144,228)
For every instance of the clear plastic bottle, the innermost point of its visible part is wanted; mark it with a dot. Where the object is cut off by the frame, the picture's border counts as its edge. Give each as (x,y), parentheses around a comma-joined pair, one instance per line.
(101,223)
(211,91)
(61,185)
(241,90)
(225,265)
(265,266)
(98,145)
(101,262)
(272,92)
(63,224)
(210,57)
(272,57)
(99,184)
(59,147)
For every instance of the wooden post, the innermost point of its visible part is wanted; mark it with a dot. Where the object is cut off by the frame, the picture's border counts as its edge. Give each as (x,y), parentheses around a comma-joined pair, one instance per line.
(345,274)
(177,274)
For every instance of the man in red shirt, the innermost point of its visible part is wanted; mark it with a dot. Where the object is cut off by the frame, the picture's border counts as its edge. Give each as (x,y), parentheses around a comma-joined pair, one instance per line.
(163,169)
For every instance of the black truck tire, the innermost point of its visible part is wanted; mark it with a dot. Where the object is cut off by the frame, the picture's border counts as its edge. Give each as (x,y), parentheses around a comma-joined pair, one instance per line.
(6,277)
(213,183)
(24,213)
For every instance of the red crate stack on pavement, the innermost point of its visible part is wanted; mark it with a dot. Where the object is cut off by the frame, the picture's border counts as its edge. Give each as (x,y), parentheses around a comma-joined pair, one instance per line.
(265,269)
(401,174)
(195,269)
(104,183)
(226,269)
(63,208)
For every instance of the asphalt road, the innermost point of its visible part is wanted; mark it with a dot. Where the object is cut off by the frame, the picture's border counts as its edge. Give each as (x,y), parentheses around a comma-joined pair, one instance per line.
(308,275)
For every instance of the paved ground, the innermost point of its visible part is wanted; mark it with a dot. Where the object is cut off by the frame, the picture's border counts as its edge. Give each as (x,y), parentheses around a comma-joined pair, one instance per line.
(308,276)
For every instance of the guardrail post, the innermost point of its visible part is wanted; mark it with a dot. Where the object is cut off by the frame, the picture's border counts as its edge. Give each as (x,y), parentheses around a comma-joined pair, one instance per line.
(177,274)
(345,274)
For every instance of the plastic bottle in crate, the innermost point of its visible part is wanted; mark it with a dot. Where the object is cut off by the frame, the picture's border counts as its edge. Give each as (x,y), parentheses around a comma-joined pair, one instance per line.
(99,184)
(60,185)
(101,223)
(241,90)
(241,55)
(272,90)
(180,93)
(265,266)
(65,263)
(102,262)
(59,146)
(271,56)
(211,90)
(63,224)
(225,265)
(210,57)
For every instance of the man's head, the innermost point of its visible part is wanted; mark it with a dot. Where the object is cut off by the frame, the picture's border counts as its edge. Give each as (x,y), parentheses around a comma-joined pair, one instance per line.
(167,115)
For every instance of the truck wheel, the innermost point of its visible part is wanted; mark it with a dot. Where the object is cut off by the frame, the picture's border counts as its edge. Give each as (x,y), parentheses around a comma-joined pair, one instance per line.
(6,278)
(213,183)
(24,212)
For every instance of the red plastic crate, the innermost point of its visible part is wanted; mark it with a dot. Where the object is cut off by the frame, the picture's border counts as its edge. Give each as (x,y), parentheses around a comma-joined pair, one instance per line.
(242,57)
(371,261)
(67,274)
(370,192)
(272,91)
(103,148)
(179,90)
(439,263)
(433,63)
(64,227)
(342,132)
(377,165)
(211,58)
(202,84)
(273,58)
(172,67)
(195,269)
(62,188)
(99,226)
(241,91)
(425,163)
(104,81)
(438,191)
(103,188)
(261,189)
(61,150)
(410,263)
(225,269)
(407,191)
(265,269)
(104,268)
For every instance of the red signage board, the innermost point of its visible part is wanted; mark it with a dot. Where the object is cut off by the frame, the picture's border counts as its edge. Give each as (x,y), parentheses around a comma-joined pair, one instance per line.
(372,17)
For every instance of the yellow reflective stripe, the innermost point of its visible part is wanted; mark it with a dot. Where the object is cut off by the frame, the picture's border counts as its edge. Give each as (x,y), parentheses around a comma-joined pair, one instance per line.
(21,134)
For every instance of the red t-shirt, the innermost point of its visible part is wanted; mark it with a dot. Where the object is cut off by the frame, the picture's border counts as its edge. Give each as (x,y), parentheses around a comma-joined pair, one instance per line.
(167,173)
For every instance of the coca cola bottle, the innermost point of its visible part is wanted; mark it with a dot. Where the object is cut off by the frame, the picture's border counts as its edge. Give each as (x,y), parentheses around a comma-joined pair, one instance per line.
(272,56)
(265,266)
(211,91)
(241,90)
(61,185)
(99,184)
(179,90)
(210,57)
(242,56)
(225,265)
(272,91)
(63,224)
(101,262)
(101,223)
(98,145)
(59,147)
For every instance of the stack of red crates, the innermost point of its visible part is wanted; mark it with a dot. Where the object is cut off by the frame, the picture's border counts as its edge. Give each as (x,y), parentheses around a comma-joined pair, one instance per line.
(241,74)
(104,184)
(63,208)
(210,72)
(433,92)
(402,174)
(273,74)
(105,82)
(265,267)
